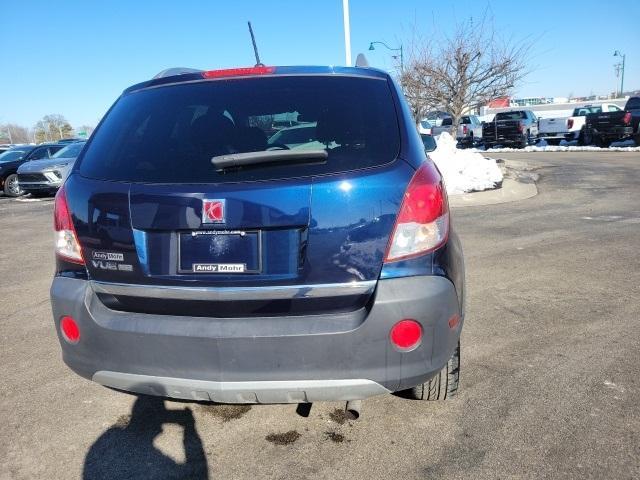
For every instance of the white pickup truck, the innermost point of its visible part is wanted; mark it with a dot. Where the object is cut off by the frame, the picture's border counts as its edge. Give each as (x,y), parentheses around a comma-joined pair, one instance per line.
(469,129)
(554,130)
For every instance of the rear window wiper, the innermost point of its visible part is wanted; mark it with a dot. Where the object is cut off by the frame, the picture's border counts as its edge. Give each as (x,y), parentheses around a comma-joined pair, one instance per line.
(270,157)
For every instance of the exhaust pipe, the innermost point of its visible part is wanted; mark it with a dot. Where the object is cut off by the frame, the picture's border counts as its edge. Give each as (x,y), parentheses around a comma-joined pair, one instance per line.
(352,410)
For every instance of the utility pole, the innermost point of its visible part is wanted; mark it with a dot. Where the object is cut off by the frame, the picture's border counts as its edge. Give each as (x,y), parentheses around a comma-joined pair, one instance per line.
(618,53)
(347,32)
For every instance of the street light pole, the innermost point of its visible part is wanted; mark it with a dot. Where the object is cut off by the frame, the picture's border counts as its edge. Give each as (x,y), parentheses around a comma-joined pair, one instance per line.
(399,49)
(347,32)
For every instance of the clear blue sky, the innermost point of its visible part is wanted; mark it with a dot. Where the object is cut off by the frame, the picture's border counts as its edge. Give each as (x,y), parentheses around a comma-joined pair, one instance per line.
(75,57)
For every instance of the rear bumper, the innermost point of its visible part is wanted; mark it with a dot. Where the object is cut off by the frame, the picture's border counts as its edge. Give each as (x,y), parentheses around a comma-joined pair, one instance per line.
(504,139)
(553,136)
(613,133)
(262,360)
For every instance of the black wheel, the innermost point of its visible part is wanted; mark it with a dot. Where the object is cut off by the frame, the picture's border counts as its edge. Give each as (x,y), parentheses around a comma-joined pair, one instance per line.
(11,187)
(637,139)
(444,385)
(526,140)
(585,138)
(470,142)
(604,142)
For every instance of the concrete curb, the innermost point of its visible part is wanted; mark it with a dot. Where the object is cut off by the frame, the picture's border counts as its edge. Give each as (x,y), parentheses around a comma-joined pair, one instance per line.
(511,191)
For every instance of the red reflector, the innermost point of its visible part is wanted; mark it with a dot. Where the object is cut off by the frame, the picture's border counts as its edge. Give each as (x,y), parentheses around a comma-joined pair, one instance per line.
(406,334)
(69,329)
(454,321)
(238,72)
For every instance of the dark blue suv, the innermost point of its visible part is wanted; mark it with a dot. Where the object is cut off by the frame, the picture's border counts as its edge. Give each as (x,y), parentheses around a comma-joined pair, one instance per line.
(200,257)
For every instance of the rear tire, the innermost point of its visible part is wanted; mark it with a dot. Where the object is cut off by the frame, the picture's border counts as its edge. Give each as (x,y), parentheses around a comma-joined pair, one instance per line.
(444,385)
(585,138)
(604,142)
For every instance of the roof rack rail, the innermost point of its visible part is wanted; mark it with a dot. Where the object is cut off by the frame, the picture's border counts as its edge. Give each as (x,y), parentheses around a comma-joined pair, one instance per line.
(170,72)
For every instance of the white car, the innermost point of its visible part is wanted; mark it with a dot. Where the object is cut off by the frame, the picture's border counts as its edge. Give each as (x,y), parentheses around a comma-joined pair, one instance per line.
(554,130)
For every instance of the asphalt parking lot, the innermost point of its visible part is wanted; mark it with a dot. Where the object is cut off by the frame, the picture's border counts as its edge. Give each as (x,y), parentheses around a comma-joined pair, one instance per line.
(550,362)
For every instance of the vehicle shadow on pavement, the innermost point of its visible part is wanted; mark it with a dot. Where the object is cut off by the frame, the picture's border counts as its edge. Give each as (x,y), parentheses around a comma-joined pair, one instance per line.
(126,449)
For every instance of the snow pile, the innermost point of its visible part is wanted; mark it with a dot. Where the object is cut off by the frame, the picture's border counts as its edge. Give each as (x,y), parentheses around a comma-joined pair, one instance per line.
(542,146)
(464,170)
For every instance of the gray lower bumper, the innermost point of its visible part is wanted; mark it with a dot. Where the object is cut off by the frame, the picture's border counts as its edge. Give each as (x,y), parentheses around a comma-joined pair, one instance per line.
(299,391)
(343,356)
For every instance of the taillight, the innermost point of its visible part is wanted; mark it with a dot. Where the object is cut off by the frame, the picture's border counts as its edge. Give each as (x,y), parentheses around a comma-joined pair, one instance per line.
(423,222)
(464,129)
(570,123)
(627,118)
(67,246)
(521,127)
(238,72)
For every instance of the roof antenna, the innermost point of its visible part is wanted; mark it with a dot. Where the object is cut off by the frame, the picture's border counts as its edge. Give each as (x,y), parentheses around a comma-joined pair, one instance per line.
(255,47)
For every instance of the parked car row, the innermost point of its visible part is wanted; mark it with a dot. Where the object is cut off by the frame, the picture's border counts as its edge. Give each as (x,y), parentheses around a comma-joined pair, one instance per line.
(37,169)
(595,124)
(469,130)
(600,125)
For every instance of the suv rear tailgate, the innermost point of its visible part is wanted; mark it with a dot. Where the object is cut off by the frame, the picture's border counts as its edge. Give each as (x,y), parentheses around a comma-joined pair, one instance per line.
(148,181)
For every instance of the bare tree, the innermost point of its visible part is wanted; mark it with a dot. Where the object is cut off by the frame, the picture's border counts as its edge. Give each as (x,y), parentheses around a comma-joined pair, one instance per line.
(52,128)
(461,72)
(12,133)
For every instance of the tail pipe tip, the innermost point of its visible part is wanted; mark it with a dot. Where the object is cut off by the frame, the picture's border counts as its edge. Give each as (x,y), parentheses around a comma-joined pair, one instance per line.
(353,408)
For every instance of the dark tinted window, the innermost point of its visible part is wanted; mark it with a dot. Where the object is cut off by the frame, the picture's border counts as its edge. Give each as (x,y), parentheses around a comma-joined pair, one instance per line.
(511,115)
(55,148)
(429,142)
(11,155)
(39,153)
(70,151)
(446,122)
(169,134)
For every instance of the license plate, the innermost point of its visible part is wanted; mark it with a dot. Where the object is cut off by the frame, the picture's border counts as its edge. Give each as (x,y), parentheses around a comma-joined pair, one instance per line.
(219,252)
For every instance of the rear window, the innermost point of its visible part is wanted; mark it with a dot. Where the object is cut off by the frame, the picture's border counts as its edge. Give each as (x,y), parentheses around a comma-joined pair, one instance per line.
(70,151)
(169,134)
(584,111)
(510,115)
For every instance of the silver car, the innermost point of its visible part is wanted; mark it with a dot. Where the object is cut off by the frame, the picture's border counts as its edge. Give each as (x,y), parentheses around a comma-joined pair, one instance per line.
(47,175)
